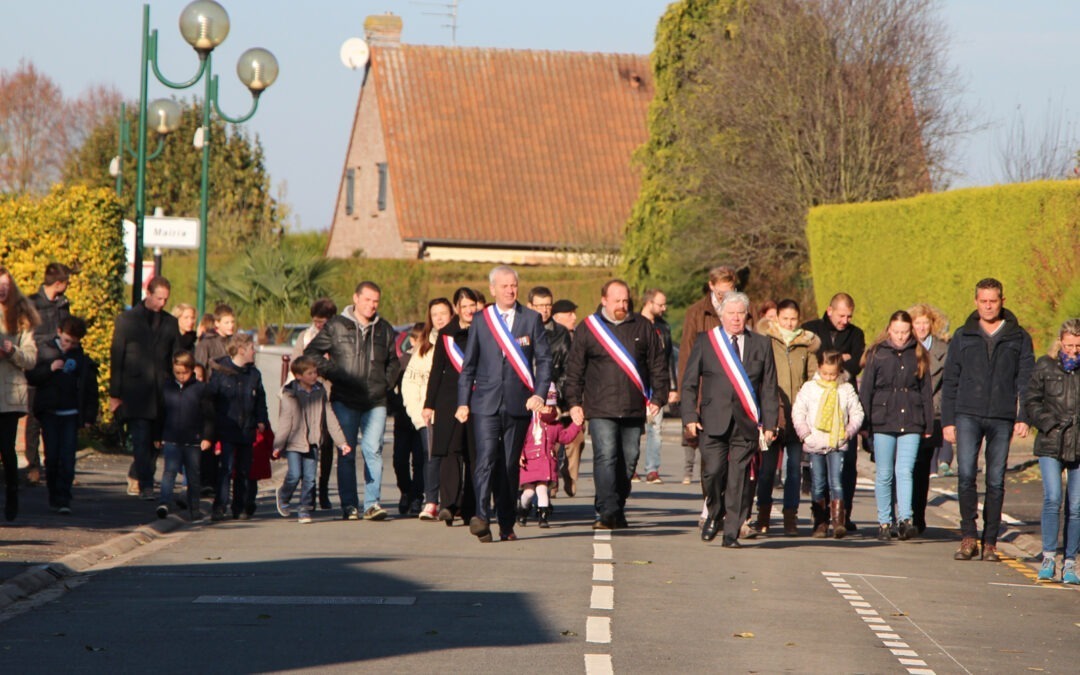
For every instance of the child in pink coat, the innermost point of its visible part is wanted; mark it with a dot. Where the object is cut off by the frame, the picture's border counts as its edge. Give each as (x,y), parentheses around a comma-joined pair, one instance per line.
(538,463)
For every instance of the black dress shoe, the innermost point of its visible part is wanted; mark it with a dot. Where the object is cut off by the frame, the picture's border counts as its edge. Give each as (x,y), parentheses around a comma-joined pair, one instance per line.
(710,529)
(730,542)
(479,529)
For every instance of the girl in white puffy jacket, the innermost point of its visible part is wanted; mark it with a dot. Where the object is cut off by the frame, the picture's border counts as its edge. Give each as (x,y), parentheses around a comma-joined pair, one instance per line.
(826,414)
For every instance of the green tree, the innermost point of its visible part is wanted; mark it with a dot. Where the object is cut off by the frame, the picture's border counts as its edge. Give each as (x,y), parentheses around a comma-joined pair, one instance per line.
(242,209)
(765,108)
(271,285)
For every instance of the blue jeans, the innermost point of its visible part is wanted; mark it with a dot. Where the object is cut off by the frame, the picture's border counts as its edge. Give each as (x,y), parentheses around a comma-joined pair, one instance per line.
(825,473)
(653,430)
(60,434)
(303,468)
(1051,468)
(616,448)
(367,426)
(970,432)
(895,457)
(177,457)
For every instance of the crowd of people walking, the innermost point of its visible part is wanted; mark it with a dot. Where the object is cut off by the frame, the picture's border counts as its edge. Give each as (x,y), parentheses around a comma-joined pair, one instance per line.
(491,403)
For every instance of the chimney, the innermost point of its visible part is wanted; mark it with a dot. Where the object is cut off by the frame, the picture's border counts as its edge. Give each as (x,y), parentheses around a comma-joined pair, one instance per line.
(383,30)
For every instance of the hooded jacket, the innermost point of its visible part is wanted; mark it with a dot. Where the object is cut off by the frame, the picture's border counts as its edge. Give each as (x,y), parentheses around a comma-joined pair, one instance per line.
(804,414)
(188,416)
(73,387)
(239,401)
(796,363)
(1052,403)
(363,364)
(895,399)
(305,419)
(987,384)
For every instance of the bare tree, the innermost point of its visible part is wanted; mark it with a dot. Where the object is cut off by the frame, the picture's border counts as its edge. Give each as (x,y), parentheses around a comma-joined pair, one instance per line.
(1026,153)
(34,130)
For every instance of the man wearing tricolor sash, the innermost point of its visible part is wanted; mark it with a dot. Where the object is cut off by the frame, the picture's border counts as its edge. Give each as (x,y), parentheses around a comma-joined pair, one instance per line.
(505,375)
(732,373)
(616,377)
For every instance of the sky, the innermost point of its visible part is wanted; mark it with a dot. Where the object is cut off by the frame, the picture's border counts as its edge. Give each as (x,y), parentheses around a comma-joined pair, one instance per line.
(1009,54)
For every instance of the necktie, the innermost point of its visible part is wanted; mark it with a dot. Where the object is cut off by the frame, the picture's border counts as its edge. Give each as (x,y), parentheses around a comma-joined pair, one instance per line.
(735,344)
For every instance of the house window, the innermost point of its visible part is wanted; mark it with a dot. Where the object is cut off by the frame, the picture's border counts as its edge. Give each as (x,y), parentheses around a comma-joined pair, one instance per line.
(382,185)
(350,187)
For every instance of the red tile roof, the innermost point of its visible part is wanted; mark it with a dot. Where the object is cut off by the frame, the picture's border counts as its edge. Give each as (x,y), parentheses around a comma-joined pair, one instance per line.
(514,147)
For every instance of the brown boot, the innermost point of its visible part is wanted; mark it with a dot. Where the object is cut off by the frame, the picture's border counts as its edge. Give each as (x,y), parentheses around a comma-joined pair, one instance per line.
(819,509)
(791,528)
(838,528)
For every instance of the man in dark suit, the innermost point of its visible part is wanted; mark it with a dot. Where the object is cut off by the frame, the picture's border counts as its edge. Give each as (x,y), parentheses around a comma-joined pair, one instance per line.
(144,340)
(493,388)
(729,433)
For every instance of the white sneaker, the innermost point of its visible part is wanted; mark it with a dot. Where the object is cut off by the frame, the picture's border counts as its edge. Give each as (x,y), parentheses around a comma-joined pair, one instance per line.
(304,518)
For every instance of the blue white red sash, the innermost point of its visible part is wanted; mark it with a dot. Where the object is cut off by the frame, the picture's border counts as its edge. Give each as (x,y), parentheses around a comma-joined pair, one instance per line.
(509,346)
(617,351)
(453,352)
(736,373)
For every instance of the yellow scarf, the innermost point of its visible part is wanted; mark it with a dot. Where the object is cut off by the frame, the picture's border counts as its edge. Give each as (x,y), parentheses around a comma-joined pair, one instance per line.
(829,417)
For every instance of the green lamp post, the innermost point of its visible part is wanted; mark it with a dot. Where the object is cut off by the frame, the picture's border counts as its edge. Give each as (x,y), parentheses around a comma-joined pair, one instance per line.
(204,24)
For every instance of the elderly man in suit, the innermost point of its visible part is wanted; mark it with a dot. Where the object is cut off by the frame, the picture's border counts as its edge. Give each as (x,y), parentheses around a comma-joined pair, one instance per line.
(734,372)
(504,379)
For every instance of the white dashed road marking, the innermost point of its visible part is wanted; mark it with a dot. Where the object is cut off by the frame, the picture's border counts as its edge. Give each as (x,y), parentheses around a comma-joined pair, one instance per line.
(598,628)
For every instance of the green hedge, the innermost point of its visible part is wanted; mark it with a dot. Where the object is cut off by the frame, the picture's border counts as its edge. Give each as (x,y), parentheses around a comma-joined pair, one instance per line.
(79,227)
(934,248)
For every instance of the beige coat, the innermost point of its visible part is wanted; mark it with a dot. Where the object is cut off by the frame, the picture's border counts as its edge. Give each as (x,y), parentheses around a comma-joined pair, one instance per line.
(13,372)
(795,363)
(415,380)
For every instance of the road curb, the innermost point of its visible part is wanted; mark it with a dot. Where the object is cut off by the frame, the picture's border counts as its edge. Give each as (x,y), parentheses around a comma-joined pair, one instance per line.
(40,577)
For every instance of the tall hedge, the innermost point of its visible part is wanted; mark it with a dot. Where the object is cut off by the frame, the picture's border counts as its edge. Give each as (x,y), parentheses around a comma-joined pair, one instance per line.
(79,227)
(934,248)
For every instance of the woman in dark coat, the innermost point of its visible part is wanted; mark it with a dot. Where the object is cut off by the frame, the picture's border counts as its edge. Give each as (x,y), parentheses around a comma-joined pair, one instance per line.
(1052,402)
(451,440)
(897,395)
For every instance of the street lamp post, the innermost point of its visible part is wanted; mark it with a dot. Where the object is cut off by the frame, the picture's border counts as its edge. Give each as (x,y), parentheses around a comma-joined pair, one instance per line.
(204,24)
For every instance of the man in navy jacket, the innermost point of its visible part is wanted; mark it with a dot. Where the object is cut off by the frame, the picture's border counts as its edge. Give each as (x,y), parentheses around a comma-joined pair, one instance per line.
(492,390)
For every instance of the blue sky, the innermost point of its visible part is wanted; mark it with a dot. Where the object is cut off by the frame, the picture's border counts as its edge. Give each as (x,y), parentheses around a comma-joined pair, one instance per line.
(1009,55)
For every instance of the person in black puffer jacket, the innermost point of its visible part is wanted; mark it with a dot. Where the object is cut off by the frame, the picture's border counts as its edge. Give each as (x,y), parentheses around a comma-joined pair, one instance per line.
(897,395)
(239,400)
(186,430)
(1052,403)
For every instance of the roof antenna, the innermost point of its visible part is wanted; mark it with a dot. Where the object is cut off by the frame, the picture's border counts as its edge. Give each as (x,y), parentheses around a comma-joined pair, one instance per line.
(451,7)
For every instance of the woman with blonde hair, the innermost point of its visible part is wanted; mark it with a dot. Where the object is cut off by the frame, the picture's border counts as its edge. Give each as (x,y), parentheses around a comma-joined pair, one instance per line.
(187,318)
(18,353)
(930,327)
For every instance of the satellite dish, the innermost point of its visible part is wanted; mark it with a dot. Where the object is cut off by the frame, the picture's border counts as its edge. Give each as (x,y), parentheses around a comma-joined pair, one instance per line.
(355,53)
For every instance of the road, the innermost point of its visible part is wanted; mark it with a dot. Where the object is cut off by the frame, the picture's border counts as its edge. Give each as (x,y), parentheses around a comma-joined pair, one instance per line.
(410,596)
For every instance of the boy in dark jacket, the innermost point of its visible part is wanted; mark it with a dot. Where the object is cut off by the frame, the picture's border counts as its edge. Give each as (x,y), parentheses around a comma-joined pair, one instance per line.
(66,399)
(186,430)
(236,391)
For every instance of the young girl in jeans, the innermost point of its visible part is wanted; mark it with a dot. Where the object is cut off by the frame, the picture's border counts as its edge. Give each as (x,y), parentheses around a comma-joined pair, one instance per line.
(1052,403)
(897,394)
(304,418)
(826,414)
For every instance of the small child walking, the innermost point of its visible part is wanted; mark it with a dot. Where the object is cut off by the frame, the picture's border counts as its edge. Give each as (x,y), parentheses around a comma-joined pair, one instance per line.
(304,420)
(236,391)
(66,400)
(186,429)
(539,463)
(826,414)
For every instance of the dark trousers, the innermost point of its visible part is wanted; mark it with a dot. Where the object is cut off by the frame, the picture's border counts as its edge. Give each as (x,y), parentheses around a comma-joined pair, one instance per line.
(208,464)
(455,473)
(924,465)
(326,466)
(970,433)
(408,457)
(144,464)
(61,436)
(235,462)
(9,429)
(616,449)
(725,477)
(498,449)
(32,436)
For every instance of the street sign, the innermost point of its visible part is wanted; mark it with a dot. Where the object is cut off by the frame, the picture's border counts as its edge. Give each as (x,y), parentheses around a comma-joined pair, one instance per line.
(168,232)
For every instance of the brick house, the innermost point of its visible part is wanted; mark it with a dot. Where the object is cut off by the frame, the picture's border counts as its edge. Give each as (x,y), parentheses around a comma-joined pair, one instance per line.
(488,155)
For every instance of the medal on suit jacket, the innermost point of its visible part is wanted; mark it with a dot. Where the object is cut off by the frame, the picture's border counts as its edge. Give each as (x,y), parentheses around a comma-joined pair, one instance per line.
(457,359)
(509,346)
(618,352)
(735,372)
